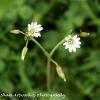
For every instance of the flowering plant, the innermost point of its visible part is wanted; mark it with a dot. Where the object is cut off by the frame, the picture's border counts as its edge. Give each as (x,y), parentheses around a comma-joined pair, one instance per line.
(71,42)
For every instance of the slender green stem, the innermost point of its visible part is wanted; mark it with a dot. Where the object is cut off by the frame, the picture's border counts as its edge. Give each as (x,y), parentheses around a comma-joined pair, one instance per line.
(54,62)
(49,71)
(39,45)
(49,59)
(22,32)
(51,54)
(26,43)
(45,52)
(56,47)
(48,62)
(48,74)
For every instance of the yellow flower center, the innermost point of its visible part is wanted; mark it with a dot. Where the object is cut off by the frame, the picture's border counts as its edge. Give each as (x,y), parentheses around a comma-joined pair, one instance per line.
(71,41)
(32,31)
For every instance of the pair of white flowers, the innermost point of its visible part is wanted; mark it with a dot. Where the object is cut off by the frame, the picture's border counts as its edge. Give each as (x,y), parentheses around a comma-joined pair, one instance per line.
(71,42)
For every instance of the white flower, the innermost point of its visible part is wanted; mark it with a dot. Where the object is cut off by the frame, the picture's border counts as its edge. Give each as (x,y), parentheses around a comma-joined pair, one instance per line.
(34,29)
(72,42)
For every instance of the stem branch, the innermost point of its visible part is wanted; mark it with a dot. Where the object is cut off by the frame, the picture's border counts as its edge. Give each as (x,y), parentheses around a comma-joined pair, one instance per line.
(56,47)
(39,45)
(49,59)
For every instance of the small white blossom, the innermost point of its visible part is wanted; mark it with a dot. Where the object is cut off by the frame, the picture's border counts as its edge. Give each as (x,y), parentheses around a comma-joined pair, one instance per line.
(72,42)
(34,29)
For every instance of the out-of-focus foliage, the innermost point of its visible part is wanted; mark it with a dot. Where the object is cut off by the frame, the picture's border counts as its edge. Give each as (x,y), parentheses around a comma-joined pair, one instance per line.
(82,68)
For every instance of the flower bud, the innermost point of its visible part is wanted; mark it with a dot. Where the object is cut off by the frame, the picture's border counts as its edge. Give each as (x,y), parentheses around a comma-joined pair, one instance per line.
(84,34)
(60,73)
(24,51)
(16,31)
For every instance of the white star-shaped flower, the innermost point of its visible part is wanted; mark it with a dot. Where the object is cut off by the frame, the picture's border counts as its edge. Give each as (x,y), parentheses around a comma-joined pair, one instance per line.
(72,42)
(34,29)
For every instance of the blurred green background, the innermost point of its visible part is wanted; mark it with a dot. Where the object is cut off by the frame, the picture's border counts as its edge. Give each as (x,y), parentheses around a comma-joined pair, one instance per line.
(82,69)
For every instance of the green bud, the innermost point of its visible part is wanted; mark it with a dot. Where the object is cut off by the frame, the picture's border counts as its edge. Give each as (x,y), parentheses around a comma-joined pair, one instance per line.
(84,34)
(24,51)
(16,31)
(60,73)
